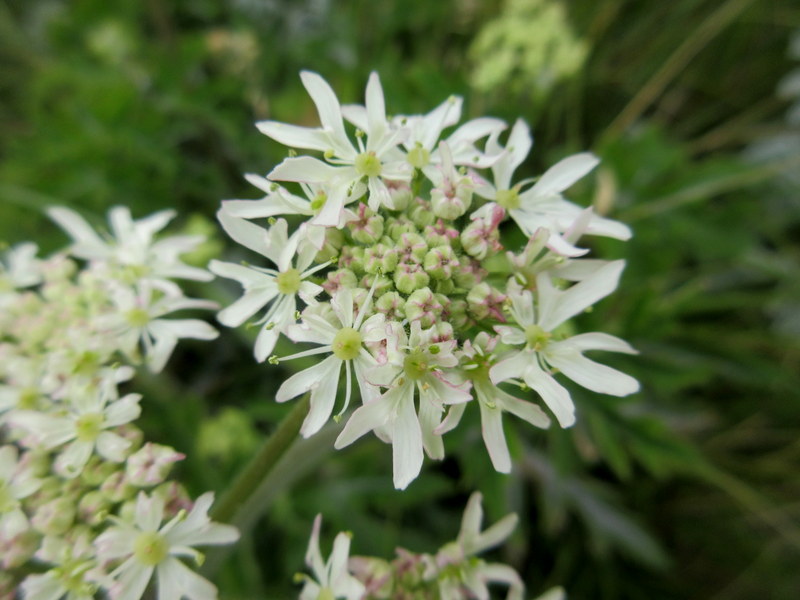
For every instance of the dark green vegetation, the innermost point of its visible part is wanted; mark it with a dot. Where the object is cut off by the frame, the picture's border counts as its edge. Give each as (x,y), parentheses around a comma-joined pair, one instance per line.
(686,490)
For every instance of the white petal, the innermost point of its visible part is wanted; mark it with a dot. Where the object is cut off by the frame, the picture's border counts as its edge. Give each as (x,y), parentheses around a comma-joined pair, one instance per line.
(73,458)
(294,136)
(181,580)
(124,410)
(304,169)
(407,451)
(132,581)
(330,112)
(303,381)
(494,438)
(593,375)
(88,243)
(598,341)
(376,107)
(246,233)
(553,393)
(495,534)
(375,413)
(564,173)
(430,416)
(511,367)
(323,397)
(245,307)
(112,446)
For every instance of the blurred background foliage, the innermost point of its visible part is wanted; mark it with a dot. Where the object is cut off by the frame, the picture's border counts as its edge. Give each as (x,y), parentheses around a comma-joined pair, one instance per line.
(687,490)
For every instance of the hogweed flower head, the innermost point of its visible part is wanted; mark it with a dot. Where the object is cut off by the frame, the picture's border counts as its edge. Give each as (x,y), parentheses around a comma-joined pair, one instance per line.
(410,280)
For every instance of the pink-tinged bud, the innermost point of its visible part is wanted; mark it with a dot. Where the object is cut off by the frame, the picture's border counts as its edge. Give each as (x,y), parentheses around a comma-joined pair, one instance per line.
(400,192)
(398,226)
(338,279)
(440,234)
(423,306)
(441,332)
(440,262)
(367,227)
(334,240)
(151,464)
(383,285)
(16,550)
(481,238)
(380,258)
(484,302)
(453,199)
(421,213)
(392,305)
(175,497)
(352,257)
(117,488)
(409,277)
(469,273)
(54,517)
(97,471)
(412,248)
(93,508)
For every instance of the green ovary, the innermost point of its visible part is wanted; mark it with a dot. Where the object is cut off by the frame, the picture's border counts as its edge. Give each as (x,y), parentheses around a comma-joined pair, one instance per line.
(368,164)
(415,365)
(288,282)
(537,337)
(137,317)
(347,344)
(150,548)
(508,199)
(88,427)
(419,157)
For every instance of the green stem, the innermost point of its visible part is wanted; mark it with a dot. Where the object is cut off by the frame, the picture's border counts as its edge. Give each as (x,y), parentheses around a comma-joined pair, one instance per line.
(262,463)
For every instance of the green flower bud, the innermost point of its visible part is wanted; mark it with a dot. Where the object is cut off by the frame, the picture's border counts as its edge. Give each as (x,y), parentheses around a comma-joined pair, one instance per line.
(484,301)
(16,552)
(334,239)
(444,286)
(412,248)
(93,507)
(97,471)
(423,306)
(368,227)
(421,214)
(380,258)
(392,305)
(399,226)
(352,257)
(409,277)
(453,202)
(469,273)
(401,194)
(383,285)
(116,488)
(54,517)
(456,314)
(439,262)
(338,279)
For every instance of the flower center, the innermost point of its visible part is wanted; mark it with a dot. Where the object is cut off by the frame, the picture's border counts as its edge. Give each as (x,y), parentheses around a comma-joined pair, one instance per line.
(319,201)
(288,282)
(347,344)
(137,317)
(418,156)
(150,548)
(415,365)
(368,164)
(537,337)
(508,199)
(88,427)
(28,398)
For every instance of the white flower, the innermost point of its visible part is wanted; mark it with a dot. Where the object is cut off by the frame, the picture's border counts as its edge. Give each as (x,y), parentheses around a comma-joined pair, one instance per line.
(471,577)
(146,546)
(345,342)
(16,483)
(138,319)
(85,426)
(417,367)
(332,579)
(477,359)
(263,286)
(20,269)
(133,247)
(374,161)
(542,204)
(534,332)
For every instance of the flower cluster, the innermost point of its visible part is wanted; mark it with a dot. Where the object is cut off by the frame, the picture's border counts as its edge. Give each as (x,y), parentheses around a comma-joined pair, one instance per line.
(82,496)
(454,573)
(403,255)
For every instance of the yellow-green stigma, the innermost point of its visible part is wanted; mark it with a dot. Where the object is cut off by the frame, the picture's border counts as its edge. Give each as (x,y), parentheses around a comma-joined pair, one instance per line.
(508,199)
(347,344)
(88,427)
(368,164)
(419,156)
(319,201)
(150,548)
(137,317)
(288,282)
(415,365)
(537,337)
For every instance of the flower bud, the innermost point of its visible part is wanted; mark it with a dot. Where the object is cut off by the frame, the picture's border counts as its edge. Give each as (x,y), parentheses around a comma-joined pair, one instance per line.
(117,488)
(15,551)
(151,464)
(392,305)
(440,261)
(482,236)
(452,200)
(352,257)
(93,508)
(400,192)
(412,248)
(444,286)
(423,306)
(469,273)
(398,226)
(409,277)
(380,257)
(484,302)
(334,240)
(339,279)
(54,517)
(367,227)
(175,497)
(421,213)
(383,285)
(440,234)
(97,471)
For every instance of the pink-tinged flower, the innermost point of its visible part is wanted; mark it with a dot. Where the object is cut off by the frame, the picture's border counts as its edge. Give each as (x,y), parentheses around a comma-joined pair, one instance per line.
(539,350)
(278,288)
(417,365)
(348,165)
(146,546)
(344,337)
(332,580)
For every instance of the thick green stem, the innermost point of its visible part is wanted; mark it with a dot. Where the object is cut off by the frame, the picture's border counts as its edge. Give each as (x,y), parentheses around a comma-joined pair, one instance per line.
(262,463)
